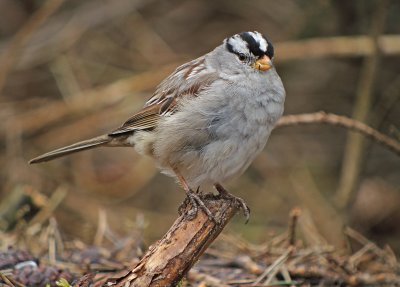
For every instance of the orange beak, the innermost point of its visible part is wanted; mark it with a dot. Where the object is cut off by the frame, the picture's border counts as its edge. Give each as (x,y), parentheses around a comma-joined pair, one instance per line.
(263,64)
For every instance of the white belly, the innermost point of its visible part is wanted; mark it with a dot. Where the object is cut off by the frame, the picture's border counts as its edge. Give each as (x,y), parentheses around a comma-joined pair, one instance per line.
(212,144)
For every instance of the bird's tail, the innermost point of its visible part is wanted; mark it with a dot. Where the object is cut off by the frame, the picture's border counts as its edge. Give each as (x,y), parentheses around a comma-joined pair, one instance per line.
(103,140)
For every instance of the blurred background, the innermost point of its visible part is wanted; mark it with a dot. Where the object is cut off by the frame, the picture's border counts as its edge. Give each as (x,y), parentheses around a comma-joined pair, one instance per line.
(74,69)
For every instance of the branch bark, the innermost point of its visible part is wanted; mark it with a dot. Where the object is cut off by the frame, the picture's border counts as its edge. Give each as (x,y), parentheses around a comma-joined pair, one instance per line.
(167,261)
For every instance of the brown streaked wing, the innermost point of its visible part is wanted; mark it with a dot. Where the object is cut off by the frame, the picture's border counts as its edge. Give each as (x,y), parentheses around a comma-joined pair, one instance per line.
(172,85)
(180,84)
(146,118)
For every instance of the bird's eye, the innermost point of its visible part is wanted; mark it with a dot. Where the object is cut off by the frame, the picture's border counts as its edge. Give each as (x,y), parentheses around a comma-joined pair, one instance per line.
(242,57)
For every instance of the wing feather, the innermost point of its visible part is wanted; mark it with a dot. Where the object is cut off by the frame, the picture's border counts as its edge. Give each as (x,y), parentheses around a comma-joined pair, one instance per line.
(188,80)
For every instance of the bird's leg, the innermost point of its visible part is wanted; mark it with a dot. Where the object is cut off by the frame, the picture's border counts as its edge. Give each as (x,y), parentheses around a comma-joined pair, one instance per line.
(194,197)
(242,204)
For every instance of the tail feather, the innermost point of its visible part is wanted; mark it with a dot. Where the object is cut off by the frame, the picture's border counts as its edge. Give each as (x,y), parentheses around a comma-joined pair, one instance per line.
(79,146)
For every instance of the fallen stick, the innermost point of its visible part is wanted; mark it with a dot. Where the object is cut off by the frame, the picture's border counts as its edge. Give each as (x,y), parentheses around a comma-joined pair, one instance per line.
(168,260)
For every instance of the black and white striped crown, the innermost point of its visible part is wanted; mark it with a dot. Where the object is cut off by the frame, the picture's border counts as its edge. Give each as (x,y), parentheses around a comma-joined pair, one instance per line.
(250,43)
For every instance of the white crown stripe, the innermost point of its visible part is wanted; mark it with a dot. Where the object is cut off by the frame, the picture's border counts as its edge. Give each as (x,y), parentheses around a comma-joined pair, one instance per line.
(238,44)
(260,40)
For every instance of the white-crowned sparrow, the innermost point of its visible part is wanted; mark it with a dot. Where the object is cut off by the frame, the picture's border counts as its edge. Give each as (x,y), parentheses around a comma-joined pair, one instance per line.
(208,120)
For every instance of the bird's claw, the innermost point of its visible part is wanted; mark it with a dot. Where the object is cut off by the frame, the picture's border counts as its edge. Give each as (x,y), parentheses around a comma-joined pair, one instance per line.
(239,201)
(196,202)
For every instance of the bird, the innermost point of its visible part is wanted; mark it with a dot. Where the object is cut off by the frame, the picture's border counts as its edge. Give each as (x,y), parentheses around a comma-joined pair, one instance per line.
(208,120)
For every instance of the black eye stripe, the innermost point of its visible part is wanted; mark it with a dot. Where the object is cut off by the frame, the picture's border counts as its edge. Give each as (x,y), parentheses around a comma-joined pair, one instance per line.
(230,48)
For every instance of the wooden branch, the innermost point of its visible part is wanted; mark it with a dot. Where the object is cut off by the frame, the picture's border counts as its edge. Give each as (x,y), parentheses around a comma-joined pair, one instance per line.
(294,218)
(341,121)
(167,261)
